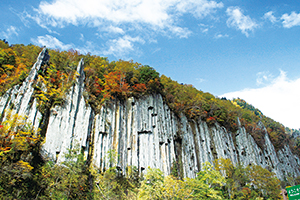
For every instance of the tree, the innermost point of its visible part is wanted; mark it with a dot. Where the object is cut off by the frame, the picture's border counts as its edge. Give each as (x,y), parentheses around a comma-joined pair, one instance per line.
(207,184)
(112,183)
(248,182)
(66,180)
(153,184)
(52,86)
(264,181)
(115,86)
(19,144)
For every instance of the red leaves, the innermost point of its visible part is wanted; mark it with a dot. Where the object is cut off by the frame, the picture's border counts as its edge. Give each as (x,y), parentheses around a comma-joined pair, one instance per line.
(140,88)
(115,84)
(97,87)
(211,119)
(52,80)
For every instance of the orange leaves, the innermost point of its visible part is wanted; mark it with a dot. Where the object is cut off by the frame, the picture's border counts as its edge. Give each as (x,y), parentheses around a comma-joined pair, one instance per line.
(98,86)
(115,85)
(138,89)
(5,149)
(211,119)
(121,79)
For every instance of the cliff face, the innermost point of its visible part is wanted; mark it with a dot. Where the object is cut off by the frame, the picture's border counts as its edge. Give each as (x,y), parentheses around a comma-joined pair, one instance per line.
(144,132)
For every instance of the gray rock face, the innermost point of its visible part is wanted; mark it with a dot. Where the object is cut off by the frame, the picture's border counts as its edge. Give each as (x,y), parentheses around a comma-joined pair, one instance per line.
(143,132)
(20,98)
(70,124)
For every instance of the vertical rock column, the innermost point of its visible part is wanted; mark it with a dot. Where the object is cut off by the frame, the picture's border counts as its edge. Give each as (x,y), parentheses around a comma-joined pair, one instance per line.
(20,97)
(69,125)
(140,131)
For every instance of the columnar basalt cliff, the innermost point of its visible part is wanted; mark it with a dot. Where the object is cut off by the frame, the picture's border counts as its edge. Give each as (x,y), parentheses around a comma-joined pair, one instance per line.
(144,132)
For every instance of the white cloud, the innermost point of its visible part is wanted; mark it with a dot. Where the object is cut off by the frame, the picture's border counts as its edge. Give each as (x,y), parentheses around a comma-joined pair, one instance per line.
(89,47)
(10,31)
(81,37)
(269,15)
(156,50)
(114,29)
(200,80)
(119,47)
(218,36)
(51,42)
(199,8)
(205,30)
(263,78)
(156,15)
(290,20)
(181,32)
(240,21)
(278,100)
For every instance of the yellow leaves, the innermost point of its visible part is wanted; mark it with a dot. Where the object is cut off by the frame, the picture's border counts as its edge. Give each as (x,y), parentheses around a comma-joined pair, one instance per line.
(16,134)
(8,67)
(42,97)
(157,186)
(52,86)
(235,103)
(18,145)
(25,166)
(224,166)
(174,188)
(13,67)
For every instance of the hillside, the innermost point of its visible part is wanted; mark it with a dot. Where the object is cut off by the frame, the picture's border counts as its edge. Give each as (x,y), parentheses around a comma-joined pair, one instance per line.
(124,79)
(84,103)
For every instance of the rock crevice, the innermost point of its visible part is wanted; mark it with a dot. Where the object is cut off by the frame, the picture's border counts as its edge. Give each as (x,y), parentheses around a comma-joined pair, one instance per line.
(143,132)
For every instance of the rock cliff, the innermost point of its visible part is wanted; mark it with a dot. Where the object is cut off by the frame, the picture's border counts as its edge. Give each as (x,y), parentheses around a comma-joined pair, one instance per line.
(144,132)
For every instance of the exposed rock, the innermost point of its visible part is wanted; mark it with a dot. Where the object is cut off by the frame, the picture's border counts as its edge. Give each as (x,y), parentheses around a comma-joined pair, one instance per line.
(20,98)
(155,137)
(144,132)
(70,124)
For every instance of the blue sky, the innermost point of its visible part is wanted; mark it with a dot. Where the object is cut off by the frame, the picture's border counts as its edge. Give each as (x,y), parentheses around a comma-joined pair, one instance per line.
(248,49)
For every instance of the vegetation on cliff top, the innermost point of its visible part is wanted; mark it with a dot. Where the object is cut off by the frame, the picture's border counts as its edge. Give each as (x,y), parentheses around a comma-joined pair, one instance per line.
(107,80)
(25,175)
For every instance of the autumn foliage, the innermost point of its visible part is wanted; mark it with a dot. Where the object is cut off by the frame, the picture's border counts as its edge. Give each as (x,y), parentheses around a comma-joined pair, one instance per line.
(19,142)
(15,64)
(106,82)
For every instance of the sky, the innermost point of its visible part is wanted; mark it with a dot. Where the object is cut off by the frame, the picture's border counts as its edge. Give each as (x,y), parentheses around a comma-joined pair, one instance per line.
(229,48)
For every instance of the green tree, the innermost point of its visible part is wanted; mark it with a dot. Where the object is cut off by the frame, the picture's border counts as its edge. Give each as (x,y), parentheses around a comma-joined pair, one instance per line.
(19,145)
(264,181)
(113,183)
(65,180)
(207,184)
(153,184)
